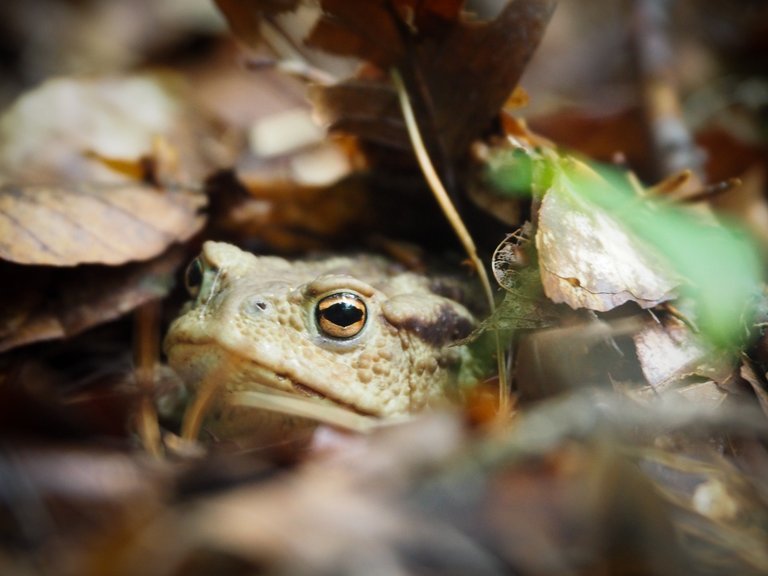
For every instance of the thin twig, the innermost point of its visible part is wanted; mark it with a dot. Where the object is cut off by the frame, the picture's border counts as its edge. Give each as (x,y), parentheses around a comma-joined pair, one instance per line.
(441,195)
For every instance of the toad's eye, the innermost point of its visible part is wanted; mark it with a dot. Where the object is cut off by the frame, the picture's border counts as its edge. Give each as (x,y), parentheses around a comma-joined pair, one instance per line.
(193,277)
(341,315)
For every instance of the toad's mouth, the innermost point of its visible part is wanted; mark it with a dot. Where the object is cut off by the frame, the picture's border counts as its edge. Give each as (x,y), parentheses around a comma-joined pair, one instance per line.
(280,382)
(253,384)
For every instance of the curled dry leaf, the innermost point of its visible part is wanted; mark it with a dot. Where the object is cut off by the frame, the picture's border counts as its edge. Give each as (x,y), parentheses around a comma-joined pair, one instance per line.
(669,352)
(244,18)
(68,130)
(71,153)
(458,71)
(589,260)
(84,297)
(93,224)
(759,384)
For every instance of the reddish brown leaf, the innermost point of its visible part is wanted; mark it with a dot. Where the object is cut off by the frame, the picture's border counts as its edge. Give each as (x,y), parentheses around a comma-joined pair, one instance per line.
(422,11)
(369,30)
(458,72)
(363,107)
(244,16)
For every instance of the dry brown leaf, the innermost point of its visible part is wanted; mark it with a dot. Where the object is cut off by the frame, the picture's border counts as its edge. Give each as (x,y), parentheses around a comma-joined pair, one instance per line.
(245,17)
(268,203)
(589,260)
(669,352)
(45,304)
(758,384)
(458,71)
(70,153)
(107,224)
(603,134)
(364,107)
(60,131)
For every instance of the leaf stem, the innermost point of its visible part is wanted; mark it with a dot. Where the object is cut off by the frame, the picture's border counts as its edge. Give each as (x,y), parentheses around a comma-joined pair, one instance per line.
(441,195)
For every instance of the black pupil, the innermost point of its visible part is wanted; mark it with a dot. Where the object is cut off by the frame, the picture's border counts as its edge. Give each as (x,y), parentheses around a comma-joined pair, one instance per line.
(194,274)
(343,314)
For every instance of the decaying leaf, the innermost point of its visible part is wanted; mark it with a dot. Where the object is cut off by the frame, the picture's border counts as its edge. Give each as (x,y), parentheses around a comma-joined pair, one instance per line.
(459,68)
(445,58)
(524,305)
(590,260)
(59,132)
(759,384)
(244,17)
(77,160)
(64,226)
(669,352)
(43,304)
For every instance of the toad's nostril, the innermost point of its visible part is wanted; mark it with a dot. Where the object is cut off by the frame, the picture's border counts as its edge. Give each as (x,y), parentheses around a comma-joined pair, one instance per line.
(256,306)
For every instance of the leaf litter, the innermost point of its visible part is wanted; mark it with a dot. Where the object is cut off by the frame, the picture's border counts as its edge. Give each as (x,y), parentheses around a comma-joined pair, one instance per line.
(555,492)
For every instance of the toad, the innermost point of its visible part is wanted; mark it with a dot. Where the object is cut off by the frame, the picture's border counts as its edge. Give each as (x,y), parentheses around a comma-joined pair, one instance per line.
(358,332)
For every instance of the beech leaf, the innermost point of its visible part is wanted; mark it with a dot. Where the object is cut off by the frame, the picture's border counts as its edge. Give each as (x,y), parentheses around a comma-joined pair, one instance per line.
(93,224)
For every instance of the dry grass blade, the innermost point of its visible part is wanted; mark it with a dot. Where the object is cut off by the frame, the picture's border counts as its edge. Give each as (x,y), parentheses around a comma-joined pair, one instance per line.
(146,346)
(441,195)
(198,408)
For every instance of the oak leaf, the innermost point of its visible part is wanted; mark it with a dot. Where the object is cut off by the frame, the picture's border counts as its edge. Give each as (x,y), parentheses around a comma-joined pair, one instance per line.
(458,71)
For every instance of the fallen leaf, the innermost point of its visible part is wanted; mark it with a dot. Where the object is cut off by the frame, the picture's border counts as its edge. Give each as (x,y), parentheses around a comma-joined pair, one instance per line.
(589,259)
(59,131)
(244,17)
(46,304)
(669,352)
(458,71)
(604,135)
(65,226)
(367,108)
(759,385)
